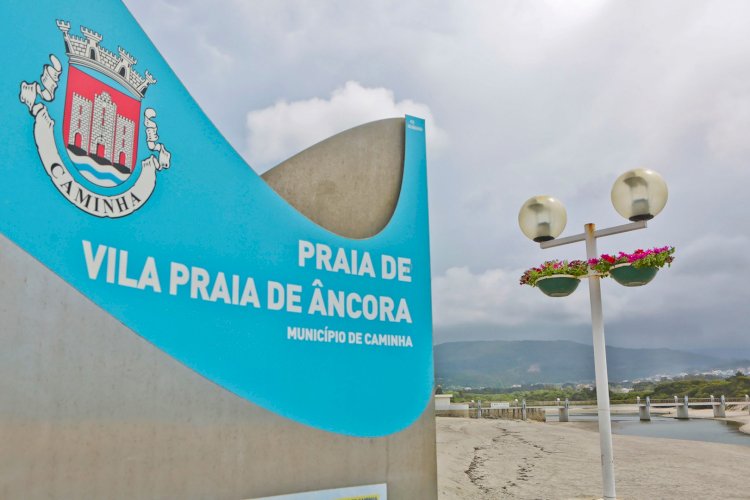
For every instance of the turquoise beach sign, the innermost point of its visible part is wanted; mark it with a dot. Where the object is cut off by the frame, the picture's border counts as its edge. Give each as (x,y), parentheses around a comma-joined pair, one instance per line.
(115,180)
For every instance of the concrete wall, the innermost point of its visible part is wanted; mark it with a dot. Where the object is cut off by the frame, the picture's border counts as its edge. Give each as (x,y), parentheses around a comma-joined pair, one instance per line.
(537,414)
(356,191)
(459,410)
(443,401)
(90,410)
(454,412)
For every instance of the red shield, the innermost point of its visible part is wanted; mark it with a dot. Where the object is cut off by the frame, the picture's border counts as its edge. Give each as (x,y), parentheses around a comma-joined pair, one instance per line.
(100,129)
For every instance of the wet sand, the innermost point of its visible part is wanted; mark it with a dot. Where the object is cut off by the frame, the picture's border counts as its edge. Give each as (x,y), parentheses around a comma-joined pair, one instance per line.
(496,459)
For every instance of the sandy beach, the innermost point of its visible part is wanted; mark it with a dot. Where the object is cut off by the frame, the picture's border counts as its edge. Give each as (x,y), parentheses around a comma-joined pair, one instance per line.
(495,459)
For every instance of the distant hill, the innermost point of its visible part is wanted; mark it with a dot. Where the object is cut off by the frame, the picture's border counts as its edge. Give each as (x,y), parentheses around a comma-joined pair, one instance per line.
(504,363)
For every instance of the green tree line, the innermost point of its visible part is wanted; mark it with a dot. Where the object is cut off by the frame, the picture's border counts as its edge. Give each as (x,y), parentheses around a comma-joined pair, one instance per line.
(694,387)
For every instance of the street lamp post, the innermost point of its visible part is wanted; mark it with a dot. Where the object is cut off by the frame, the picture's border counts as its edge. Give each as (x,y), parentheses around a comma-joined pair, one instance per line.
(637,195)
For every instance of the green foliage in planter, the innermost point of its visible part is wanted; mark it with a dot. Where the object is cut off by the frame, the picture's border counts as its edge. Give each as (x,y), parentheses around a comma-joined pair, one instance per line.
(574,268)
(654,257)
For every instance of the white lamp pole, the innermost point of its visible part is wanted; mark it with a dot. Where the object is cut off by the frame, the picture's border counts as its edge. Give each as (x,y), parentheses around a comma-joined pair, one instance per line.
(638,205)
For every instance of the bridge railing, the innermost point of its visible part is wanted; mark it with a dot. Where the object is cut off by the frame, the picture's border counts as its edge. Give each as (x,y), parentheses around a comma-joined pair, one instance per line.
(670,401)
(681,400)
(559,403)
(736,400)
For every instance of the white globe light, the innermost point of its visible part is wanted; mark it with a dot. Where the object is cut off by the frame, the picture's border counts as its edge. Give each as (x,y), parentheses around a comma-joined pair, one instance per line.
(542,218)
(639,194)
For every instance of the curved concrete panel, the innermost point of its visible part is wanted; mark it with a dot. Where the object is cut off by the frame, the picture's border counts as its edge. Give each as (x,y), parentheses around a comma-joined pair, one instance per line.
(349,183)
(90,410)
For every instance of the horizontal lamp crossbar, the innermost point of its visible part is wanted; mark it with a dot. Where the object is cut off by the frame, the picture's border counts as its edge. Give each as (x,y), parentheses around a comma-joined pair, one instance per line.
(600,233)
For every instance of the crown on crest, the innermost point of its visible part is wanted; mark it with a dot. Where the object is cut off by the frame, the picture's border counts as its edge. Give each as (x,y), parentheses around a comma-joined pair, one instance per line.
(86,51)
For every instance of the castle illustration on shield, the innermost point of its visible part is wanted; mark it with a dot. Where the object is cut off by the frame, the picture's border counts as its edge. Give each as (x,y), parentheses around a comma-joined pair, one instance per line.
(102,134)
(100,128)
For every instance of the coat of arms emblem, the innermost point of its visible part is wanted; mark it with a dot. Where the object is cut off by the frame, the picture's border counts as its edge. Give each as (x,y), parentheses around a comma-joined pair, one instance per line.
(100,129)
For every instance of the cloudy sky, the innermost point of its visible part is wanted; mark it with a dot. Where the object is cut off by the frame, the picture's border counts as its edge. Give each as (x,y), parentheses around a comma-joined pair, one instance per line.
(521,98)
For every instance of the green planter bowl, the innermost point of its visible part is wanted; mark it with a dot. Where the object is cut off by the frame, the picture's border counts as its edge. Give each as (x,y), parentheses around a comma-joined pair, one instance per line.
(558,285)
(627,275)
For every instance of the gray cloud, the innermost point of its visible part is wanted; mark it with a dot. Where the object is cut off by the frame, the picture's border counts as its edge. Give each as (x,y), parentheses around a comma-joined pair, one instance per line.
(534,97)
(278,131)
